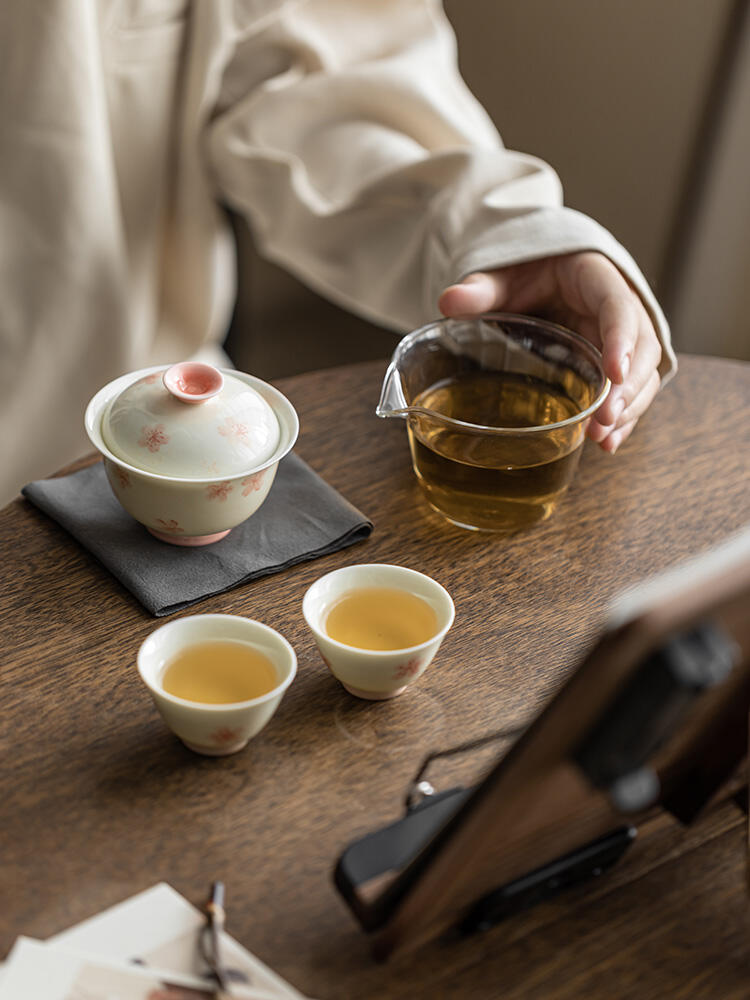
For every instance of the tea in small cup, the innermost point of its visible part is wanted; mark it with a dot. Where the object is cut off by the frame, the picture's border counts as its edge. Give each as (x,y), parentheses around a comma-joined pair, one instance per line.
(377,626)
(216,679)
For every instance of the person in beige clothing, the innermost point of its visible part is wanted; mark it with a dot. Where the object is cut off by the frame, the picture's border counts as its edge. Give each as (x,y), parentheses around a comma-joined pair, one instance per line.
(340,129)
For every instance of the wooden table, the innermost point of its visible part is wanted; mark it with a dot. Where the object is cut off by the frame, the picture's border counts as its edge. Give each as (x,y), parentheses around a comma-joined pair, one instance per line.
(100,801)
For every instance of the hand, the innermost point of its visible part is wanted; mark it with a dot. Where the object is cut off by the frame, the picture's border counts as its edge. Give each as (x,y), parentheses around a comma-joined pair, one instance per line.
(586,293)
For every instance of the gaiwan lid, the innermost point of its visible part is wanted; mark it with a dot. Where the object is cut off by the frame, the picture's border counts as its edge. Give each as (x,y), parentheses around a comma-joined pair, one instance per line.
(192,422)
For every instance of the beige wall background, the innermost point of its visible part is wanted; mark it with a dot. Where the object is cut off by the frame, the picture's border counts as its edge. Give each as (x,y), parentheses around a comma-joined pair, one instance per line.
(642,107)
(711,301)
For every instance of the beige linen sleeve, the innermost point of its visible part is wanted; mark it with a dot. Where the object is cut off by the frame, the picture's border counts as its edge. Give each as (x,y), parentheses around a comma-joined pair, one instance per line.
(346,137)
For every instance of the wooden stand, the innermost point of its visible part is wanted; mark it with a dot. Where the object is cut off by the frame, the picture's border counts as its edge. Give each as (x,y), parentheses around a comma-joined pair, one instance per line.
(656,716)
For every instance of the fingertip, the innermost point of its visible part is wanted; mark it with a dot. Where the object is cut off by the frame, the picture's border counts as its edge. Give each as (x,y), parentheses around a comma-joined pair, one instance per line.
(476,293)
(618,437)
(444,300)
(448,299)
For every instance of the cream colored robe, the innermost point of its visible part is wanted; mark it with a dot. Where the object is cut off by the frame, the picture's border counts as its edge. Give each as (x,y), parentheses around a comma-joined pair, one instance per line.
(339,128)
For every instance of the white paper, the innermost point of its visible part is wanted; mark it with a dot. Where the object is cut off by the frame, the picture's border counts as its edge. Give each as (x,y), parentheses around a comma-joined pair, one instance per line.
(36,970)
(159,928)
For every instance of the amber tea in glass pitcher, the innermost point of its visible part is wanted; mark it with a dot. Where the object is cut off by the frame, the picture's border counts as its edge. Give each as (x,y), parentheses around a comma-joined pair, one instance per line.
(496,413)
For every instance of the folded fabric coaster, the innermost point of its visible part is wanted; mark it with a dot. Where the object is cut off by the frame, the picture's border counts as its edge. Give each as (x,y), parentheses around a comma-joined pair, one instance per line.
(302,518)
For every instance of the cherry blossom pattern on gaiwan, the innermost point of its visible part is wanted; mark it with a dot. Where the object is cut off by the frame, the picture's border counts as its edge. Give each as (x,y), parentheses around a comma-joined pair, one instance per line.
(170,525)
(153,437)
(231,428)
(251,484)
(190,452)
(194,422)
(218,491)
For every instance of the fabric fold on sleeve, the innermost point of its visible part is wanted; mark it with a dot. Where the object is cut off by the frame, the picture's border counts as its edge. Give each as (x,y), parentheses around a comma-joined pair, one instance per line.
(365,166)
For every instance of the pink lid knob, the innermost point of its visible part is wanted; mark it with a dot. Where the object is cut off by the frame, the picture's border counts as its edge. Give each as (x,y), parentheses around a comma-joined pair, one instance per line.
(193,382)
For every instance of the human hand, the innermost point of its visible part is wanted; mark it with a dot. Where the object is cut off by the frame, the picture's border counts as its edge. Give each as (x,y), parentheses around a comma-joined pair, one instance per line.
(586,293)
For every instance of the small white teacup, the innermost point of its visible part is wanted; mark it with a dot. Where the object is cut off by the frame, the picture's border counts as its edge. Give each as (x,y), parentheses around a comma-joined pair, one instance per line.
(215,729)
(375,674)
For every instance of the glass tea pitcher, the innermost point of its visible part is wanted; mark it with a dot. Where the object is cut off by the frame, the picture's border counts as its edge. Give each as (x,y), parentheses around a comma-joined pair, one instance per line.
(496,411)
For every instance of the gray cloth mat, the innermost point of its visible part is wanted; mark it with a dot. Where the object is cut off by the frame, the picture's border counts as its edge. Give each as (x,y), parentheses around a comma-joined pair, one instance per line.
(302,518)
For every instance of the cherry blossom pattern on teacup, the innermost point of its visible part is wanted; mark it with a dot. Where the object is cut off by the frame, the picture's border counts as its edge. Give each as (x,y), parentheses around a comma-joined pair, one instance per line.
(375,674)
(205,727)
(409,669)
(225,736)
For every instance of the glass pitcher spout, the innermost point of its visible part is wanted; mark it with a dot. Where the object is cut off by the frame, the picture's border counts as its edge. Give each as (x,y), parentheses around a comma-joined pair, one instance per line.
(392,401)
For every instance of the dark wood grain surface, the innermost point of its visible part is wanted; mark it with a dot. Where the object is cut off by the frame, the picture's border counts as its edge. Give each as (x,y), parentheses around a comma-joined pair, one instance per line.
(100,801)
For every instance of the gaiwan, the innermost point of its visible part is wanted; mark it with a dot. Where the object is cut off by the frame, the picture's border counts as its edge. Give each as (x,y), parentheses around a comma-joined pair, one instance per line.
(189,450)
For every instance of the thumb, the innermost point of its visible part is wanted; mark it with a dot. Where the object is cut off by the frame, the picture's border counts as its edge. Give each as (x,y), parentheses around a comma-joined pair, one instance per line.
(478,293)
